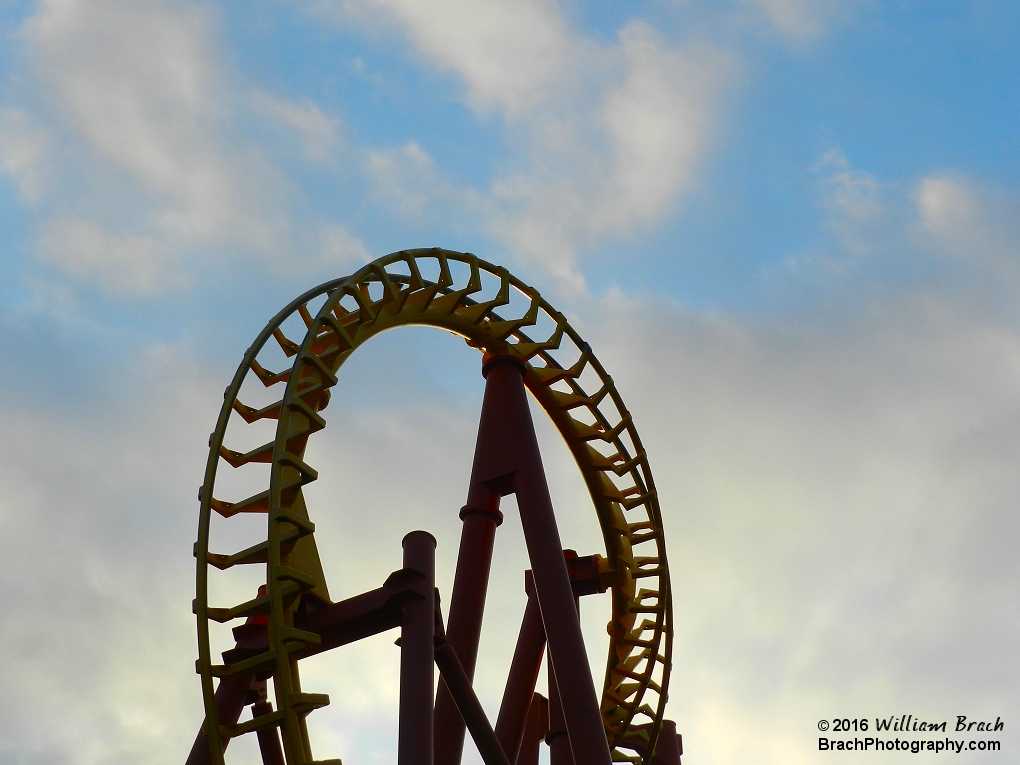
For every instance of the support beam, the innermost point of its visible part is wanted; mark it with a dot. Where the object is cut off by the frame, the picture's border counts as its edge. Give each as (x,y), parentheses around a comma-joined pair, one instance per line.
(468,706)
(552,582)
(417,652)
(481,516)
(230,700)
(524,671)
(269,738)
(535,732)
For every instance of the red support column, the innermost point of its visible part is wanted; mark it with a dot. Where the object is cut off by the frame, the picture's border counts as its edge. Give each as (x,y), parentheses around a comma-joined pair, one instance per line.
(669,747)
(536,730)
(520,685)
(230,700)
(467,605)
(556,737)
(552,582)
(559,743)
(417,653)
(481,516)
(269,738)
(507,459)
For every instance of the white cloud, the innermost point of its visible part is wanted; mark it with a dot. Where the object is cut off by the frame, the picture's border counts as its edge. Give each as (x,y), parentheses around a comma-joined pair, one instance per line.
(658,121)
(834,495)
(405,178)
(132,93)
(22,149)
(98,665)
(602,138)
(117,262)
(509,55)
(136,81)
(975,225)
(342,249)
(800,19)
(318,131)
(862,213)
(617,165)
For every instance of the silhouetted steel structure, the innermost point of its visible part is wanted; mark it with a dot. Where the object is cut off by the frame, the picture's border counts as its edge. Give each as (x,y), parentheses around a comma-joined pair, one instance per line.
(525,344)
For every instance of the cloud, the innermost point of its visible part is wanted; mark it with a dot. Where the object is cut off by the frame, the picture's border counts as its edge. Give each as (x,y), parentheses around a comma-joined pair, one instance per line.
(133,98)
(833,494)
(602,138)
(342,249)
(861,212)
(136,82)
(508,55)
(405,178)
(972,224)
(801,19)
(98,663)
(22,149)
(619,164)
(318,131)
(120,263)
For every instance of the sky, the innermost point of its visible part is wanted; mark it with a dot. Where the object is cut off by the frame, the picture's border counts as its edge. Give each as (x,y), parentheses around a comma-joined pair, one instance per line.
(790,230)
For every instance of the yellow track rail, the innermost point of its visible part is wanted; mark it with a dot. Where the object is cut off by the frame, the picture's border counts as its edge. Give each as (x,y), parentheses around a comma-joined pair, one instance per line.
(498,314)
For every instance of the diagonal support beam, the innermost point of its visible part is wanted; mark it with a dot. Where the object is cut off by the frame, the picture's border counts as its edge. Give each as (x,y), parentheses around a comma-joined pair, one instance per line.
(524,671)
(463,695)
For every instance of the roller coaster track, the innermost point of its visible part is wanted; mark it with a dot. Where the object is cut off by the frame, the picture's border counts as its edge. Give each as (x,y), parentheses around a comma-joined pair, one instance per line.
(499,315)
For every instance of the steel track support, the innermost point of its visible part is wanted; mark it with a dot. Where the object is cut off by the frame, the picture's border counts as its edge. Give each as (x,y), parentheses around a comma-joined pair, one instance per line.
(417,652)
(580,704)
(481,516)
(557,738)
(535,731)
(269,738)
(230,700)
(520,685)
(507,459)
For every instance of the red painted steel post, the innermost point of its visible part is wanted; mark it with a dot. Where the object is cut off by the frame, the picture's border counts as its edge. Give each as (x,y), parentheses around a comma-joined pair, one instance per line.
(668,748)
(467,604)
(557,738)
(417,653)
(471,710)
(520,685)
(481,516)
(269,738)
(230,700)
(552,582)
(536,730)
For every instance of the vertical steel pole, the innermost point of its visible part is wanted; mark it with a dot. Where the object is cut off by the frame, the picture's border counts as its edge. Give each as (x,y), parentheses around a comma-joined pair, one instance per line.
(559,743)
(535,732)
(481,516)
(557,738)
(520,685)
(230,699)
(467,605)
(417,653)
(552,582)
(269,738)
